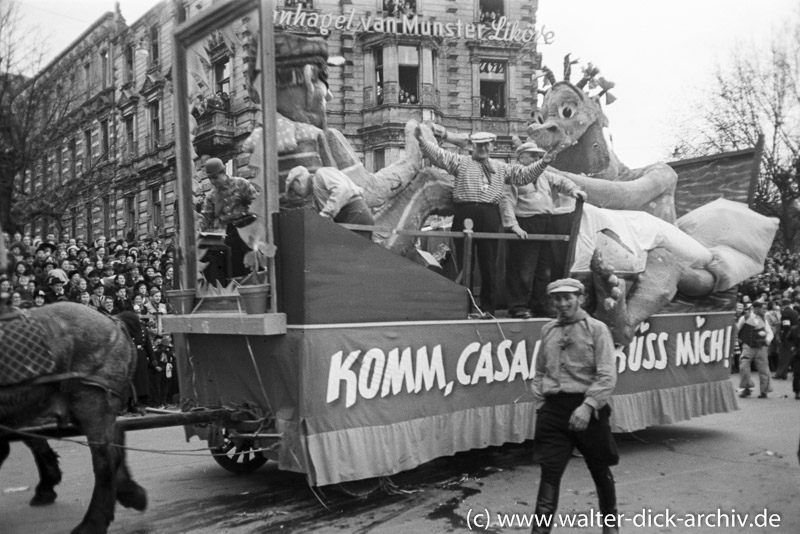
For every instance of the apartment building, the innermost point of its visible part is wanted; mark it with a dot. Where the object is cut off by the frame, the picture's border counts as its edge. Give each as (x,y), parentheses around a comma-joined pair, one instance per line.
(467,64)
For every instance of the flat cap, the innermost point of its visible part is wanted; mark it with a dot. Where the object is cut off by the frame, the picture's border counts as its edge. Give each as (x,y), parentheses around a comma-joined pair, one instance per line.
(482,137)
(565,285)
(530,146)
(294,174)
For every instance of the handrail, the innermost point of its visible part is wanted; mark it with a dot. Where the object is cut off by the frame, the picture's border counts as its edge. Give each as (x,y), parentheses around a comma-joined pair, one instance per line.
(468,235)
(447,233)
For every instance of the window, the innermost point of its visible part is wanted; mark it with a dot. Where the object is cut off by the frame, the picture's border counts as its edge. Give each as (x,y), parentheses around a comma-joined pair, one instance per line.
(59,165)
(490,11)
(396,8)
(408,74)
(104,69)
(107,215)
(154,116)
(129,150)
(378,54)
(73,156)
(87,77)
(130,212)
(304,4)
(156,202)
(73,215)
(87,149)
(104,138)
(128,69)
(89,222)
(222,83)
(154,45)
(493,88)
(44,171)
(379,159)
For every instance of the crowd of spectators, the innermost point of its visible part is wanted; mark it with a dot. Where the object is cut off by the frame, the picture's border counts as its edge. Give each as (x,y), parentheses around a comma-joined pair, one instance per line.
(778,287)
(407,97)
(490,108)
(396,8)
(111,276)
(487,16)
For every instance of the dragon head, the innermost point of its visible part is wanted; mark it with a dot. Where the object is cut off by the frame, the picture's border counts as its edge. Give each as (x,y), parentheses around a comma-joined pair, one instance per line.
(572,122)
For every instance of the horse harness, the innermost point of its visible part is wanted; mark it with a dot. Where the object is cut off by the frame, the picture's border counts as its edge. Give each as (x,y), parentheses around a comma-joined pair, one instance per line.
(28,361)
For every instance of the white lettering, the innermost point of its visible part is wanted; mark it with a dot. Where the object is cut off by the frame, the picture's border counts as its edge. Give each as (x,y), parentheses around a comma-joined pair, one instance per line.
(519,365)
(461,372)
(341,372)
(684,353)
(484,368)
(661,363)
(398,372)
(428,371)
(503,349)
(373,364)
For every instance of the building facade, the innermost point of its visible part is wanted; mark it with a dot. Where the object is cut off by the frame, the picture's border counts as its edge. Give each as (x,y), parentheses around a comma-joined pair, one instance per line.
(466,64)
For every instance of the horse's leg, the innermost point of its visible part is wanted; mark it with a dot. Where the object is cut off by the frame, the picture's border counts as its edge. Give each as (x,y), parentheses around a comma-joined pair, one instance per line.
(129,493)
(49,471)
(96,417)
(5,450)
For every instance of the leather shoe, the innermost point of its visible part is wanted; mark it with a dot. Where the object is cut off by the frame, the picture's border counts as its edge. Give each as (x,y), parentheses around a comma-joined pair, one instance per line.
(745,393)
(762,395)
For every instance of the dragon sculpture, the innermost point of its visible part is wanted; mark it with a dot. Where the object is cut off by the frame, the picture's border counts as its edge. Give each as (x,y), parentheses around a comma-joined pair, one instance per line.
(632,280)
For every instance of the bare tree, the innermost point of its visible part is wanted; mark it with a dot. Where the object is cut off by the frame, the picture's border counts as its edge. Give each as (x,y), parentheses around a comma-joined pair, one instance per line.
(758,94)
(37,107)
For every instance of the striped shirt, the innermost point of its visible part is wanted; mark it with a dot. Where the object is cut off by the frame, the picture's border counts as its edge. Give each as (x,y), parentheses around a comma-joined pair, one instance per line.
(471,184)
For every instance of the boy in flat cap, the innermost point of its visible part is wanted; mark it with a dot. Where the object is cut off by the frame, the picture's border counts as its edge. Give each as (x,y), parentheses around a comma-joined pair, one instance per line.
(575,376)
(334,194)
(477,190)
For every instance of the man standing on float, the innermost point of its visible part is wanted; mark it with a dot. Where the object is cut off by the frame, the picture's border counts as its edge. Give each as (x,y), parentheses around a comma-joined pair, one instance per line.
(477,191)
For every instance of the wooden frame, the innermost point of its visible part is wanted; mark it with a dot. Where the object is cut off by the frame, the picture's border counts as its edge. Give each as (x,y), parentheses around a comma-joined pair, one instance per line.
(185,35)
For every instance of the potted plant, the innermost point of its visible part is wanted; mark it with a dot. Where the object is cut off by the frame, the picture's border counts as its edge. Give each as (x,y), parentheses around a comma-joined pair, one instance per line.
(254,288)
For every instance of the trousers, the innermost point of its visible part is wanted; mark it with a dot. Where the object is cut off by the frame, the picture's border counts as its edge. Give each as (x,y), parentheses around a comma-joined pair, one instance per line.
(485,218)
(758,358)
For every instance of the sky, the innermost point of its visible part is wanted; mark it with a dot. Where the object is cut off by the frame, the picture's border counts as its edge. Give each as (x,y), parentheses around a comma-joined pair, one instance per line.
(661,54)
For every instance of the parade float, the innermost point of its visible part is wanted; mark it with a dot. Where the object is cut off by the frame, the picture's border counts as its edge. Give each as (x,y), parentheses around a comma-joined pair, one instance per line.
(363,362)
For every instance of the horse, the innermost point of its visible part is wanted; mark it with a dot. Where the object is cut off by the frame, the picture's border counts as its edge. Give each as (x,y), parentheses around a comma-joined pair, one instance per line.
(80,368)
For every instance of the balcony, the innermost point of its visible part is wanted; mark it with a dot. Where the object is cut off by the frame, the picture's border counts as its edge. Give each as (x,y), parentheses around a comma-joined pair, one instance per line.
(215,130)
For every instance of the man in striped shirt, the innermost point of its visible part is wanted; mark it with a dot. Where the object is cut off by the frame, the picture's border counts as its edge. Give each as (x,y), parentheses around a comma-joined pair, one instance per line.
(477,191)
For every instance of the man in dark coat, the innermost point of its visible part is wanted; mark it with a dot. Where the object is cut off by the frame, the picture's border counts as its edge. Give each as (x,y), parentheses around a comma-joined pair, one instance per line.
(141,379)
(790,320)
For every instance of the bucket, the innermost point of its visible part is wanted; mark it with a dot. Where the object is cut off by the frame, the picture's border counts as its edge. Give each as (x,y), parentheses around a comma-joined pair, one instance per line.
(254,298)
(182,300)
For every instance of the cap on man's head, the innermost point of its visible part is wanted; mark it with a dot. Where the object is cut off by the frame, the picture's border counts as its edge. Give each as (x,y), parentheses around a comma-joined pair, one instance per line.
(214,166)
(482,137)
(295,174)
(530,146)
(48,248)
(758,303)
(565,285)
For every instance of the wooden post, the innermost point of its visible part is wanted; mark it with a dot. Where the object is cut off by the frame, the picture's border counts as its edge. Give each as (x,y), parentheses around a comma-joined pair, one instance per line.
(573,236)
(270,136)
(468,225)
